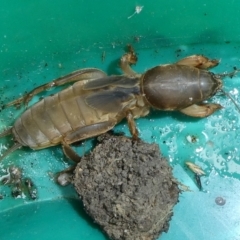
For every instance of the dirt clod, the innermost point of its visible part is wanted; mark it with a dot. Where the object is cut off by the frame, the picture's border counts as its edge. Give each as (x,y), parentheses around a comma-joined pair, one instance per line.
(127,187)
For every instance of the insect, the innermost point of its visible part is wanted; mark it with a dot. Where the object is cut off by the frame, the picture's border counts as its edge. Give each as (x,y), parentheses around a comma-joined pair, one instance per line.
(95,103)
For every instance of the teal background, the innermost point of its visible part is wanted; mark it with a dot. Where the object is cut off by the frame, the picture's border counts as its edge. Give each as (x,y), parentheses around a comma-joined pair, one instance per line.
(43,40)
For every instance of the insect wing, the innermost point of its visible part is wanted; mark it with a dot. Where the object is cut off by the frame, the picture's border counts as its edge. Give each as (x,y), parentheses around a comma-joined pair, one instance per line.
(111,100)
(118,81)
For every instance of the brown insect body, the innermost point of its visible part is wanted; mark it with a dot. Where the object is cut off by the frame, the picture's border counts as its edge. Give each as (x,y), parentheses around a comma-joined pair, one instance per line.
(81,111)
(174,87)
(95,103)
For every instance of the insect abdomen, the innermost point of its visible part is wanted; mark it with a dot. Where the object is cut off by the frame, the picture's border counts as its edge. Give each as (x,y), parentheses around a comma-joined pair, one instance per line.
(46,122)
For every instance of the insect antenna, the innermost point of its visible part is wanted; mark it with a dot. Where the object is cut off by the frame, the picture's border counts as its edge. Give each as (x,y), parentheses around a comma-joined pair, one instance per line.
(228,74)
(10,150)
(231,98)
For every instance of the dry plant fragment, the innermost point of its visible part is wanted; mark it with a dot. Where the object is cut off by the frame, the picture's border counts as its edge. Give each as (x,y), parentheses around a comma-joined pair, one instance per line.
(138,9)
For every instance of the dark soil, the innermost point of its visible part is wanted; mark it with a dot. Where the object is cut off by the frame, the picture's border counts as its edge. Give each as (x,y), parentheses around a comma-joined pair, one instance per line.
(127,187)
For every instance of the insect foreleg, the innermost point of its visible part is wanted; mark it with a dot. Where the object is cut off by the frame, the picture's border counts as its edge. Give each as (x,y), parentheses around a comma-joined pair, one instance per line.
(198,61)
(201,110)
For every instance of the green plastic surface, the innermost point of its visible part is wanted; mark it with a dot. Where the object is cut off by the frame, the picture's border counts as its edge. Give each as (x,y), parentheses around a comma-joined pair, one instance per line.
(43,40)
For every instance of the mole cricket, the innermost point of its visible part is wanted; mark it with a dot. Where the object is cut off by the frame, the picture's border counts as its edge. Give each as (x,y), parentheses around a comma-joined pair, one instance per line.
(95,102)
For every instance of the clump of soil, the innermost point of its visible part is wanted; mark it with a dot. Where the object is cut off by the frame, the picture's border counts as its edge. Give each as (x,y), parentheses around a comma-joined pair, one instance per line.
(127,187)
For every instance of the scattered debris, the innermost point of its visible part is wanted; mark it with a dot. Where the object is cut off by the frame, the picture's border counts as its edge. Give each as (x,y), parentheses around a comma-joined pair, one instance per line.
(195,168)
(198,172)
(20,188)
(13,176)
(32,191)
(137,38)
(192,139)
(103,56)
(138,9)
(198,181)
(127,187)
(64,178)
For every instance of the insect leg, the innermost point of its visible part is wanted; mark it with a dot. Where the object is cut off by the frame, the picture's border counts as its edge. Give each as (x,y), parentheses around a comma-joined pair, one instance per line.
(79,75)
(70,153)
(132,125)
(10,150)
(89,131)
(203,110)
(84,133)
(198,61)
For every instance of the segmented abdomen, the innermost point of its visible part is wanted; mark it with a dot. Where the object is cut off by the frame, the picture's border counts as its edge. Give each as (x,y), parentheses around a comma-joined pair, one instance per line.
(46,122)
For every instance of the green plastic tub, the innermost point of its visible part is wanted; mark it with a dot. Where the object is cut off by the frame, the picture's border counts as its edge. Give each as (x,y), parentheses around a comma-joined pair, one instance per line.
(42,40)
